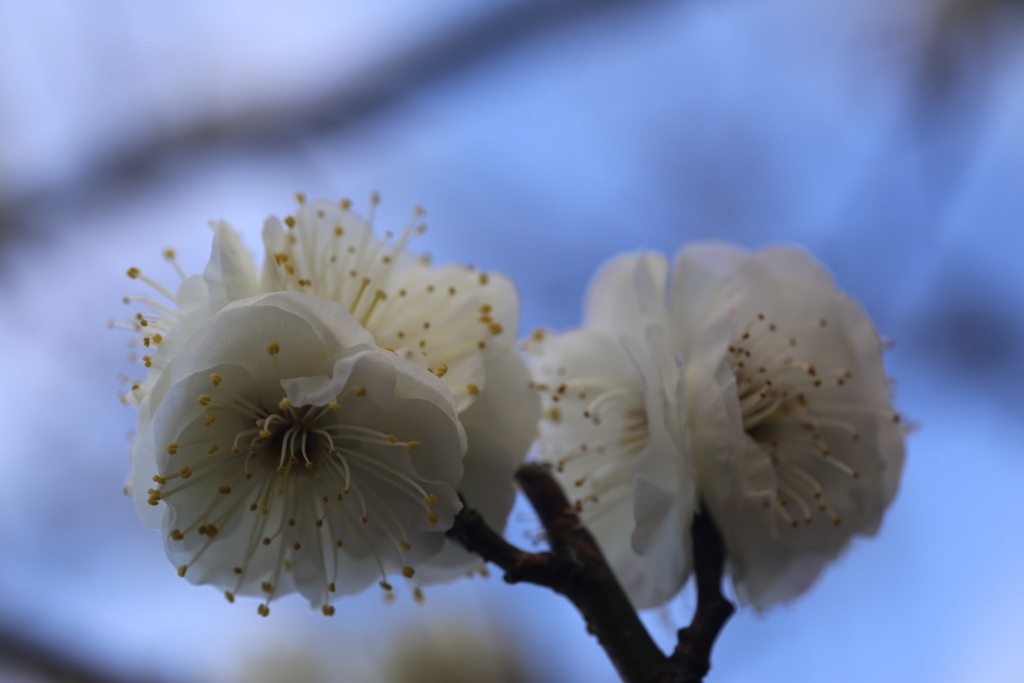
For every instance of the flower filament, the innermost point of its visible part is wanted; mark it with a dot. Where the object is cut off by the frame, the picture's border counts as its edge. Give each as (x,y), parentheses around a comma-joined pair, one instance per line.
(331,252)
(780,398)
(605,424)
(302,471)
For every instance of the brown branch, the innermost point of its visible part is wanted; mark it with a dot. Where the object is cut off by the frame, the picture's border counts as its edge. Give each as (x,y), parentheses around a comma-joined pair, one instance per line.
(692,656)
(272,124)
(587,580)
(576,568)
(472,532)
(22,653)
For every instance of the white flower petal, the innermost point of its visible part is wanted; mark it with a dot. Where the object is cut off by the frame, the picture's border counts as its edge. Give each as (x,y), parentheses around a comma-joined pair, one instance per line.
(613,429)
(349,569)
(765,574)
(793,263)
(652,579)
(500,426)
(819,450)
(230,274)
(627,293)
(667,465)
(272,276)
(664,495)
(500,293)
(192,293)
(303,327)
(704,294)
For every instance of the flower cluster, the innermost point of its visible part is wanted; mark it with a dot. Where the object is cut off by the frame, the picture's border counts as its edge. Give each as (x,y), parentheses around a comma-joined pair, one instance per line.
(746,386)
(306,427)
(311,424)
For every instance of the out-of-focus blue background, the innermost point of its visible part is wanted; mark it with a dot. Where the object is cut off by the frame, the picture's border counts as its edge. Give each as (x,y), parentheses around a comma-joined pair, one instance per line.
(543,136)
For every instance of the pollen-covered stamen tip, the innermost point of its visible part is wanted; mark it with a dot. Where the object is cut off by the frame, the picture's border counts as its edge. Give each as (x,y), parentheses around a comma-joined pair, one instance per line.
(171,256)
(776,408)
(136,274)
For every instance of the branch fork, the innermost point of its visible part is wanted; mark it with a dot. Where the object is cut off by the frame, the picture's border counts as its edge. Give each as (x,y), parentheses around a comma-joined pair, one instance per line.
(575,567)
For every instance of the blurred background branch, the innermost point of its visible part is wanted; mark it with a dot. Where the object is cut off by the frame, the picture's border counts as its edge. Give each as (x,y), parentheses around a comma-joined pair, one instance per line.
(271,124)
(20,654)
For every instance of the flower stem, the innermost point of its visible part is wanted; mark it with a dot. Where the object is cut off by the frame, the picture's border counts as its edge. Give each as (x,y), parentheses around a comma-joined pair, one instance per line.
(575,567)
(692,655)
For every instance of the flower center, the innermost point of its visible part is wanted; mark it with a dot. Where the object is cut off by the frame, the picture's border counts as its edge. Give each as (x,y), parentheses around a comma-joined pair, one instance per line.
(789,408)
(601,446)
(305,472)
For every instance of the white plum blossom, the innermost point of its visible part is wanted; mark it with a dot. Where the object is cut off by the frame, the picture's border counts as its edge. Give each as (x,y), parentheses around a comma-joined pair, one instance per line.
(456,323)
(770,383)
(611,428)
(796,445)
(285,451)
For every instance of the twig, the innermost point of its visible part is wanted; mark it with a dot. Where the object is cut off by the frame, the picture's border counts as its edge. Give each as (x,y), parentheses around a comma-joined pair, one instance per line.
(692,656)
(575,567)
(587,580)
